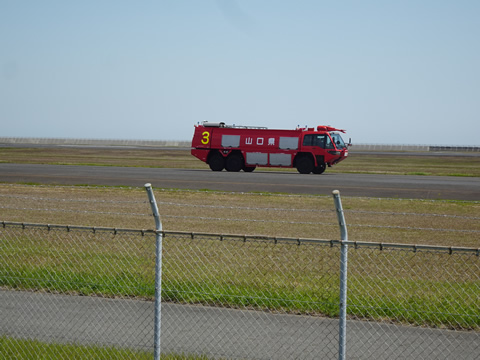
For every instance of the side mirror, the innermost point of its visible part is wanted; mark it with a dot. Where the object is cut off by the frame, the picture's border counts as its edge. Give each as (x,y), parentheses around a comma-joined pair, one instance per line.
(349,142)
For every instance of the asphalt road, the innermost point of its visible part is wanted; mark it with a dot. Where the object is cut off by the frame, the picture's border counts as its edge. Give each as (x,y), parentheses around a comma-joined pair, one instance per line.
(402,186)
(219,332)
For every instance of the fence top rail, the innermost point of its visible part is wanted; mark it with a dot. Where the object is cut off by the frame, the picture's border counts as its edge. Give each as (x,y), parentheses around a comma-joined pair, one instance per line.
(72,227)
(249,238)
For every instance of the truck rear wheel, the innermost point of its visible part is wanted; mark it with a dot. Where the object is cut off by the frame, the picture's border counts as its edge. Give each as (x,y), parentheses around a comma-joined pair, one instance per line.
(249,168)
(305,165)
(234,162)
(216,162)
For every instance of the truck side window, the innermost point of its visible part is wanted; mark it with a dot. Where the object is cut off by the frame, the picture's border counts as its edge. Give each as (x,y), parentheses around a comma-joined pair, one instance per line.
(308,140)
(315,140)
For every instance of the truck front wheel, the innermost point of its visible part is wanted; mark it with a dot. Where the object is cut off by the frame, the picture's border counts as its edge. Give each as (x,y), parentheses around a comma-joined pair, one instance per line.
(216,162)
(319,169)
(234,162)
(305,165)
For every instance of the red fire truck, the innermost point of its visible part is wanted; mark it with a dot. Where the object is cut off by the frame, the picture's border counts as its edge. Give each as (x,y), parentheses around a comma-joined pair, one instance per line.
(236,148)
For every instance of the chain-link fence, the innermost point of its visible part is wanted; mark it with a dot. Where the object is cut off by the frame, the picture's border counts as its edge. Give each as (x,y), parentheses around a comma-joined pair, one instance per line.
(413,302)
(74,285)
(77,292)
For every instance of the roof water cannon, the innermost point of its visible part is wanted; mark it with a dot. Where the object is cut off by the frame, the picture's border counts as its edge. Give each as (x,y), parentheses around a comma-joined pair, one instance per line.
(328,128)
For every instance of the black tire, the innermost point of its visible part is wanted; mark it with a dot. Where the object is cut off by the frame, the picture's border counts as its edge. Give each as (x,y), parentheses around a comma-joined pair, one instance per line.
(234,162)
(216,162)
(305,165)
(249,168)
(320,169)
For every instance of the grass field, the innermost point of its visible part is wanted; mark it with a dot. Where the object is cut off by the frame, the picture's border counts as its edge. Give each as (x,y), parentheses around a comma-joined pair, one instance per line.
(427,222)
(36,350)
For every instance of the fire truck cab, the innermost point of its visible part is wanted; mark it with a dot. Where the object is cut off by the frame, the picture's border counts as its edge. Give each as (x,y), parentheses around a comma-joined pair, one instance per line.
(236,148)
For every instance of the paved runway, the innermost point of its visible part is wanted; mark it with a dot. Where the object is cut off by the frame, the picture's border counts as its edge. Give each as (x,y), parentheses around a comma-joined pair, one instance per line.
(393,186)
(219,332)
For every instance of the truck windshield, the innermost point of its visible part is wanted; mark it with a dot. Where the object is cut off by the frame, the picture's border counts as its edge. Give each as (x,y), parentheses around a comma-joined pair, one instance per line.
(337,139)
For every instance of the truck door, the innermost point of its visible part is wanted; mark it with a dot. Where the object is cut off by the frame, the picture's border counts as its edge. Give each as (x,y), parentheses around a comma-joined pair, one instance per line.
(318,145)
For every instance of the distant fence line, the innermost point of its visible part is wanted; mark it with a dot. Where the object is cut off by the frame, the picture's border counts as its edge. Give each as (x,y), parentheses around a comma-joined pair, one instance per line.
(95,142)
(425,148)
(187,144)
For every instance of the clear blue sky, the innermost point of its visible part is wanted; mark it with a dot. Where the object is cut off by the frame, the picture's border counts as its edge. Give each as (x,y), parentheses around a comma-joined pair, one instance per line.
(403,72)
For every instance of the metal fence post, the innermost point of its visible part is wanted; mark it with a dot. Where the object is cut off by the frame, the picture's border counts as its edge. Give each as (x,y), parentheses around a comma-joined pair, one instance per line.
(343,275)
(158,272)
